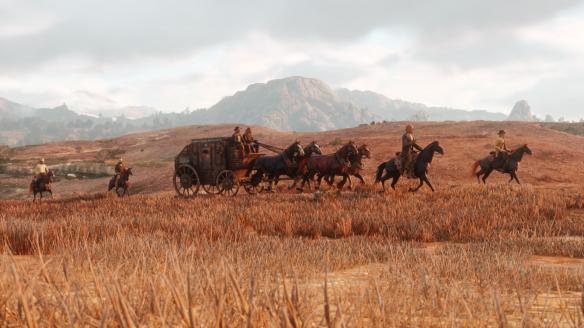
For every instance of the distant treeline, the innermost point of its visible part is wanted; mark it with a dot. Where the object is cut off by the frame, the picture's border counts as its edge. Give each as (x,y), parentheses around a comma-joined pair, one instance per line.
(572,128)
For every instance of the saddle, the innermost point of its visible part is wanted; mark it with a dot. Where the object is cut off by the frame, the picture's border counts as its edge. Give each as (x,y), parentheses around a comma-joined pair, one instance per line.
(406,171)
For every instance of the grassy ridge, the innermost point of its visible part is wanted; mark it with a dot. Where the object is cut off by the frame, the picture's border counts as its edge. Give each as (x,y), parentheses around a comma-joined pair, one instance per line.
(352,259)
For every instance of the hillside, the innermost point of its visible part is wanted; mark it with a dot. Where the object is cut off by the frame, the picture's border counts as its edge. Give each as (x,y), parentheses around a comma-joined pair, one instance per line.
(151,154)
(400,110)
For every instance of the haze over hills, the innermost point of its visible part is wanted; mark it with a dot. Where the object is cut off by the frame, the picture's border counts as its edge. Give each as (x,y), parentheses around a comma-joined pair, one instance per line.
(288,104)
(399,110)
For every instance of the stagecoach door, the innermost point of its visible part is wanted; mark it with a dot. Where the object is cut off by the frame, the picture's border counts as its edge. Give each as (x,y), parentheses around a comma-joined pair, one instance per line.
(205,163)
(211,161)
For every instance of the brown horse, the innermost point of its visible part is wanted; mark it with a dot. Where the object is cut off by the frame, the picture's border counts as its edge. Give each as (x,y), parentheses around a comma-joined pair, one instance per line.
(355,170)
(335,164)
(42,184)
(123,183)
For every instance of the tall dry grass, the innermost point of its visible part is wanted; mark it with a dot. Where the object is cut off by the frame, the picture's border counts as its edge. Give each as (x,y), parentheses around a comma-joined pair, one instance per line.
(281,260)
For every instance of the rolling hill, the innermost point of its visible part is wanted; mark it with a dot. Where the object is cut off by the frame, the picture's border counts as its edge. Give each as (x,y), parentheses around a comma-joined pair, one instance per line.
(557,159)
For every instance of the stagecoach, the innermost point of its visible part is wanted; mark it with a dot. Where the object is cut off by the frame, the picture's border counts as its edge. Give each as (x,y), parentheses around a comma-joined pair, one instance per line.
(217,166)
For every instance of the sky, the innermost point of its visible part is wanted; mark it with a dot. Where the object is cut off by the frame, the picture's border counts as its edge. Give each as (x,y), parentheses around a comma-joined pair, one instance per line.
(99,56)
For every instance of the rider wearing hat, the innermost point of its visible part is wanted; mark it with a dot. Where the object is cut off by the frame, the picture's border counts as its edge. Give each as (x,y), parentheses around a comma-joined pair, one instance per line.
(248,141)
(500,148)
(238,139)
(407,153)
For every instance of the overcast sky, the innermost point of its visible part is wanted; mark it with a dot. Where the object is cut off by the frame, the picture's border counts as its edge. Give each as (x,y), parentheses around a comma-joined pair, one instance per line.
(472,54)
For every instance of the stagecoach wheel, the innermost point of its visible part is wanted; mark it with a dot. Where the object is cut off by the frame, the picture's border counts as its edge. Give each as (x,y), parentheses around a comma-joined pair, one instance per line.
(254,187)
(227,183)
(211,190)
(186,181)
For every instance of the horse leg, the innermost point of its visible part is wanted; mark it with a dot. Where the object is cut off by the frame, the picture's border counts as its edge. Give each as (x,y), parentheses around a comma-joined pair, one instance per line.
(514,175)
(486,175)
(418,187)
(478,174)
(427,181)
(386,177)
(394,181)
(319,181)
(341,183)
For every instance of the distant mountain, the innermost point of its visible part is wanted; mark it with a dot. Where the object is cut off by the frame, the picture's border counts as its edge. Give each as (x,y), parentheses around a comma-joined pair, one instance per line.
(12,110)
(521,112)
(399,110)
(288,104)
(295,103)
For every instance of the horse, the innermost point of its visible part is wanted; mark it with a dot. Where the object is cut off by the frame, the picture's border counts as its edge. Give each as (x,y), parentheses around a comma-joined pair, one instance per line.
(325,165)
(42,184)
(123,183)
(273,167)
(355,169)
(312,149)
(510,165)
(420,168)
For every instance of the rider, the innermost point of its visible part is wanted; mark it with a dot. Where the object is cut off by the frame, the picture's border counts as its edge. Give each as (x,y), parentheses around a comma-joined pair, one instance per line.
(120,169)
(248,141)
(40,171)
(407,153)
(238,139)
(500,148)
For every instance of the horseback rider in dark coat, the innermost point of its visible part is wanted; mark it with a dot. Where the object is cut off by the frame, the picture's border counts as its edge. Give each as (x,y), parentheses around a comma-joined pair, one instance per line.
(408,152)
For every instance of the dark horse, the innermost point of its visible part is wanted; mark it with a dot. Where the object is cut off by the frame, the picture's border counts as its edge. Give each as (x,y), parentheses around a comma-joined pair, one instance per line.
(285,163)
(508,165)
(123,183)
(325,165)
(42,184)
(420,168)
(355,169)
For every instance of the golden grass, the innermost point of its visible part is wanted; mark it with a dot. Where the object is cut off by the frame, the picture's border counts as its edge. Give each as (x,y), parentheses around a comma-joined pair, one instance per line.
(350,259)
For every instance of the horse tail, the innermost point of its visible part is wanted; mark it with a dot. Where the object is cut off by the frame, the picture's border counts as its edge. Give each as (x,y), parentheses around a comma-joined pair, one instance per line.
(475,165)
(380,169)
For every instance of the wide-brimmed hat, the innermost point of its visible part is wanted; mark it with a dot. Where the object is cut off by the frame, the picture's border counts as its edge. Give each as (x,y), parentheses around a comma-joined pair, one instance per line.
(236,128)
(501,132)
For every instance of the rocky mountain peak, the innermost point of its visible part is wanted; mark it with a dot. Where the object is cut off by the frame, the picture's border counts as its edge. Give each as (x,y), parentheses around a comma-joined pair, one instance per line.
(521,112)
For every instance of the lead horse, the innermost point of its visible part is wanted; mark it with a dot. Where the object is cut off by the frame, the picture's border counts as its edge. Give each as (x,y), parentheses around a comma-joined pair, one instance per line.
(508,165)
(355,169)
(420,168)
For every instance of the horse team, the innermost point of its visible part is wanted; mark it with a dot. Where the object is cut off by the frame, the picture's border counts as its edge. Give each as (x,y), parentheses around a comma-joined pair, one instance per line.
(307,164)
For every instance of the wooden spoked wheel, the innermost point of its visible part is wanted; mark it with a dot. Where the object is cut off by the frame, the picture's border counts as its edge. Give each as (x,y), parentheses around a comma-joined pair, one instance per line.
(252,187)
(186,181)
(211,190)
(227,183)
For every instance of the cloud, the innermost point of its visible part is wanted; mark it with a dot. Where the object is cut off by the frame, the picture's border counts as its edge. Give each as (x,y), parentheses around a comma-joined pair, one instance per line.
(112,31)
(173,54)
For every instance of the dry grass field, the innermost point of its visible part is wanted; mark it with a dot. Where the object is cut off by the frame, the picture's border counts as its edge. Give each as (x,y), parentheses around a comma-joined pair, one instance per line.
(467,255)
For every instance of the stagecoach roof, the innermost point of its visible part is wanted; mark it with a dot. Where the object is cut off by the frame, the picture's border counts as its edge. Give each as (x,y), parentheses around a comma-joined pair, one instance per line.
(215,139)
